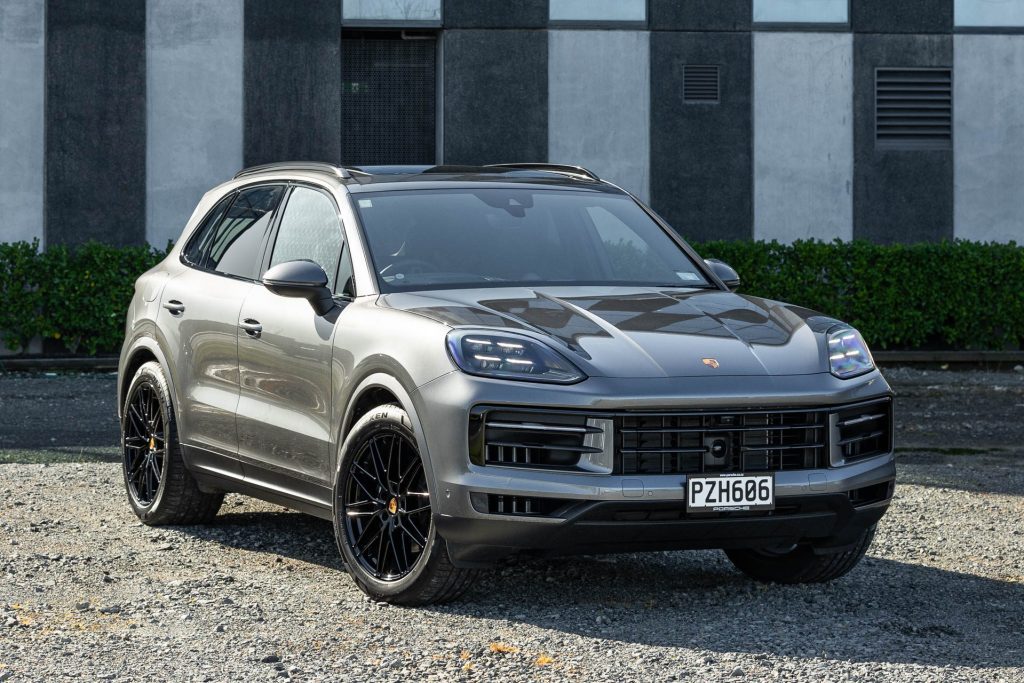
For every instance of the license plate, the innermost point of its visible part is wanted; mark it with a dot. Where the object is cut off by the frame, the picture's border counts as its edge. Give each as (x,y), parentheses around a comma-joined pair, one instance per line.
(729,492)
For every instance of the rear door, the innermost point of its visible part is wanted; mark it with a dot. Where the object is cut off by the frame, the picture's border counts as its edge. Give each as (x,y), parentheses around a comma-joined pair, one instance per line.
(199,314)
(284,411)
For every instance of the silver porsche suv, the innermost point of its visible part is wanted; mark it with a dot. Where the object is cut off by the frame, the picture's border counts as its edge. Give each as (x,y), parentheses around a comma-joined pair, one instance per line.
(457,364)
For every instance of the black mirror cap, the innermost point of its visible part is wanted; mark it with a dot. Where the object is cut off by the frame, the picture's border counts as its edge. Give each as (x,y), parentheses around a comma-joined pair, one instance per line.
(301,280)
(729,277)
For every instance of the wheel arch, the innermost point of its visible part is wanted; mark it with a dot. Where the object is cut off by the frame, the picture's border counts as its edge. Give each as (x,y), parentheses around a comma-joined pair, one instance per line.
(373,390)
(142,351)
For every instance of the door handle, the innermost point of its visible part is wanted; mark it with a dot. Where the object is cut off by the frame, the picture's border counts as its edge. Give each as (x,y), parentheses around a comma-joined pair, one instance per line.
(252,327)
(175,307)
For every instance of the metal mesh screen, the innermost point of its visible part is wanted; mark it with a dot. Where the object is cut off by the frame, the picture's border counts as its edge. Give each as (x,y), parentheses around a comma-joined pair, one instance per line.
(388,99)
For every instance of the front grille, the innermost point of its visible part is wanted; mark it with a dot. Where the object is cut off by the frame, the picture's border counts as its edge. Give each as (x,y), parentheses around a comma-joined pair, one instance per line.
(864,431)
(690,443)
(631,443)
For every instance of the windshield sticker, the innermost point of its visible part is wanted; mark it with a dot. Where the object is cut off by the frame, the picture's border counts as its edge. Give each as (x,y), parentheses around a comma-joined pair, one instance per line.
(689,277)
(365,203)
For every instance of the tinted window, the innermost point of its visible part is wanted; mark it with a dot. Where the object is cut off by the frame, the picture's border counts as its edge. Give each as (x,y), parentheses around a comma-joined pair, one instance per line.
(510,237)
(235,247)
(598,10)
(310,230)
(989,13)
(196,247)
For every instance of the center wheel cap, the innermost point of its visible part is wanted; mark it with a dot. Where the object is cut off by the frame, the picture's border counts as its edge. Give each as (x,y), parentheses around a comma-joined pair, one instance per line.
(393,506)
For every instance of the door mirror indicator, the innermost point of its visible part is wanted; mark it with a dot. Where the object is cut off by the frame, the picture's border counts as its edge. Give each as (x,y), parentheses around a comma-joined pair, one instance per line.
(301,280)
(725,273)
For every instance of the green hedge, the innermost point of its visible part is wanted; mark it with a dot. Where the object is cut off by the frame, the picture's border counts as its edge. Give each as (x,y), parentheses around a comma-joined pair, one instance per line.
(950,295)
(946,295)
(78,296)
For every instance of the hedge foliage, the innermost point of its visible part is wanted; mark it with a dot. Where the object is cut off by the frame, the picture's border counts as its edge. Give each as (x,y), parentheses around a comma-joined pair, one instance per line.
(77,295)
(949,295)
(946,295)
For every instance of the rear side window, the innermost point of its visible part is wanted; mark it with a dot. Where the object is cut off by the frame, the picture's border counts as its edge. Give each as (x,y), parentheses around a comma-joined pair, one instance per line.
(196,247)
(310,229)
(235,246)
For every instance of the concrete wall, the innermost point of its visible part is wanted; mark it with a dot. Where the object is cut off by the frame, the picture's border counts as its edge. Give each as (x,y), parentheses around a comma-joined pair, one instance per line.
(22,29)
(902,16)
(599,100)
(898,195)
(495,14)
(495,96)
(292,81)
(988,134)
(95,121)
(701,166)
(803,136)
(700,15)
(194,118)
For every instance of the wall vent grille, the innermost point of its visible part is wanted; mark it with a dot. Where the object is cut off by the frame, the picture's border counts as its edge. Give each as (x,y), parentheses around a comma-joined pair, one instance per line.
(914,108)
(701,84)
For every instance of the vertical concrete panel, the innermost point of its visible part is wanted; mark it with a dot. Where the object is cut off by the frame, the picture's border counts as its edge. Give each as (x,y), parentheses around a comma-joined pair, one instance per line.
(803,136)
(902,16)
(898,195)
(292,81)
(700,15)
(701,162)
(599,100)
(495,14)
(194,117)
(988,137)
(95,121)
(495,96)
(21,119)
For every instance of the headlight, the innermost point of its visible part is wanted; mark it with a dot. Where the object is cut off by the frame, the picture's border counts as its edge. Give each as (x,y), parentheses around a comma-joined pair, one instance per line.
(507,356)
(848,355)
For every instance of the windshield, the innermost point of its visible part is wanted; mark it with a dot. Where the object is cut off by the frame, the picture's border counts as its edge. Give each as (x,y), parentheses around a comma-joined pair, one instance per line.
(443,239)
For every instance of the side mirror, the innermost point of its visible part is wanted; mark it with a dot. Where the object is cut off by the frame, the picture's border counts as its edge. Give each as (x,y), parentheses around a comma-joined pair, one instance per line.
(301,280)
(724,272)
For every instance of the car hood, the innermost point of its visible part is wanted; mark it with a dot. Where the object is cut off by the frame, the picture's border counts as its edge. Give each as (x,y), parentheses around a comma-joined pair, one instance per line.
(643,332)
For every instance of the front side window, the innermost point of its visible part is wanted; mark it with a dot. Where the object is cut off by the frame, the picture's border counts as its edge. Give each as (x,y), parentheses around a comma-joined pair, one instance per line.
(310,230)
(988,13)
(235,246)
(438,239)
(801,11)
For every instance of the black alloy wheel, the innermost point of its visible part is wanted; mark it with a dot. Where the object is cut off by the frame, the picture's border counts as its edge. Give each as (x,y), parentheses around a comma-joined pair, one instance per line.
(386,506)
(145,442)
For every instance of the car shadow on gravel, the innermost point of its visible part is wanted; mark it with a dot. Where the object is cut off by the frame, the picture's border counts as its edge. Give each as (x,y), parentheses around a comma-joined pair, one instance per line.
(884,611)
(285,533)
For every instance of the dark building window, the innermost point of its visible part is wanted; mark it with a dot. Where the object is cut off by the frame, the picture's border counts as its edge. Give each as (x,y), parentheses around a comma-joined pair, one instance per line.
(701,84)
(913,108)
(388,98)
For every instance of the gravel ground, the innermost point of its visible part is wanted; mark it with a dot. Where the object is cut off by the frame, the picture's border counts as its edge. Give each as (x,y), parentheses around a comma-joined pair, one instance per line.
(88,592)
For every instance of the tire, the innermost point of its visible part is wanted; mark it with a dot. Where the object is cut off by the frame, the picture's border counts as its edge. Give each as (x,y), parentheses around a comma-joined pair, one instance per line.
(383,521)
(800,565)
(160,488)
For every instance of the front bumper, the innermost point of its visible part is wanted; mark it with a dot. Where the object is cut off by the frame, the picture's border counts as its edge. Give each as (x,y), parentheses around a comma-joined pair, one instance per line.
(829,507)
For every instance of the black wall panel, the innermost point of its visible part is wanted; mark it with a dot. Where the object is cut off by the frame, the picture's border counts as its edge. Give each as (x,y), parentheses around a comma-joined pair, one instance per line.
(95,186)
(292,81)
(495,13)
(700,15)
(902,16)
(701,156)
(495,96)
(898,195)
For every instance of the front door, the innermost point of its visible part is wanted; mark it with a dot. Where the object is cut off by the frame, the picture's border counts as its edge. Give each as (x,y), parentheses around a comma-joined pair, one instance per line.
(284,355)
(199,313)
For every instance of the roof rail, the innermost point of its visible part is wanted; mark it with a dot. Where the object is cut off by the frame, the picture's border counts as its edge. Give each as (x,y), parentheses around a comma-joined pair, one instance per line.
(553,168)
(315,166)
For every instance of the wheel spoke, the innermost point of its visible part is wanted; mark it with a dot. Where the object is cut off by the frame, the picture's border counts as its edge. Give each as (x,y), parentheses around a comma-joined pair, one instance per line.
(414,537)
